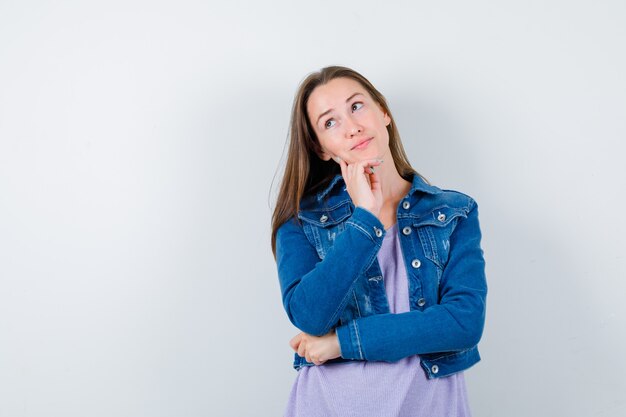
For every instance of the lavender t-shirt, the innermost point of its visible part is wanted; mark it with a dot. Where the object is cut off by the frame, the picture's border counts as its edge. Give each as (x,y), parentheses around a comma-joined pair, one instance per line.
(379,389)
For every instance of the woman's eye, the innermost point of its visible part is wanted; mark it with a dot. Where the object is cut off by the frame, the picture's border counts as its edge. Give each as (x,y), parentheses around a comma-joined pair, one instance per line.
(329,123)
(357,105)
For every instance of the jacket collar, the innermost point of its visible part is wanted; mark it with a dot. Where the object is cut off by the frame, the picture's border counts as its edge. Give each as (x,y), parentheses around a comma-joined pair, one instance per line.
(417,184)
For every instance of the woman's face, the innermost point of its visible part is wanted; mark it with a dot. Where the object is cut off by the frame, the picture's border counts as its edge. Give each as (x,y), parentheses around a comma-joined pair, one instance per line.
(348,122)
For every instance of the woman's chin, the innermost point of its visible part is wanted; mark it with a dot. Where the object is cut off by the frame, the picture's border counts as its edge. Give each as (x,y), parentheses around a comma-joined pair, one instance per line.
(367,156)
(364,155)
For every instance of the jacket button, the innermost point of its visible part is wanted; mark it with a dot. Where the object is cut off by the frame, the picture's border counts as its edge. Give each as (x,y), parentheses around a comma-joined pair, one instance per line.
(378,232)
(406,230)
(421,302)
(406,205)
(441,217)
(435,369)
(416,263)
(323,218)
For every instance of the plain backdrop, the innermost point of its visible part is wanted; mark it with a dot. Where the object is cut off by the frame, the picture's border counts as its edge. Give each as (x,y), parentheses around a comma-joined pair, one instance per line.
(140,152)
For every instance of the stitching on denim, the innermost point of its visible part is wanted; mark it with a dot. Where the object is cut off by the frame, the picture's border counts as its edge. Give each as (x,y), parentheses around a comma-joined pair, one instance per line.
(318,242)
(356,303)
(421,233)
(455,212)
(429,245)
(451,355)
(345,213)
(330,221)
(358,339)
(439,275)
(322,209)
(362,230)
(470,205)
(425,366)
(333,182)
(433,245)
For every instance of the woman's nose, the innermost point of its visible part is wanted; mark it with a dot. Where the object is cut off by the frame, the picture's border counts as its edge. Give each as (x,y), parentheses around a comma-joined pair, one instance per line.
(353,128)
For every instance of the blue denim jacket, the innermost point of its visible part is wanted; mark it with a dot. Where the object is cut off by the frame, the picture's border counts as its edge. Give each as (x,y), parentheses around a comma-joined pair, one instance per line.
(330,277)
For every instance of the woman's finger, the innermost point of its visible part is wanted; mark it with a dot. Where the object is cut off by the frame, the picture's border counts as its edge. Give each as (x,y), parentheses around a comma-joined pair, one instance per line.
(295,341)
(368,163)
(375,181)
(356,175)
(344,170)
(302,348)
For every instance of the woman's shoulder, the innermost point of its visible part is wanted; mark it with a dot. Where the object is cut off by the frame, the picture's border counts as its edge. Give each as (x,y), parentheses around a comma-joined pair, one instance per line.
(459,197)
(328,198)
(433,195)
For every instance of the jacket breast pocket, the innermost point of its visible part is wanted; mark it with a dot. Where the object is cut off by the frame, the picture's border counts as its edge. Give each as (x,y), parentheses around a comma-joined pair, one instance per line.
(323,226)
(434,230)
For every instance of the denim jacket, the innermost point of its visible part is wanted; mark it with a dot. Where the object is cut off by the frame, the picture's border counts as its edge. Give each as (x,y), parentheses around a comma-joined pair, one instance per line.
(330,277)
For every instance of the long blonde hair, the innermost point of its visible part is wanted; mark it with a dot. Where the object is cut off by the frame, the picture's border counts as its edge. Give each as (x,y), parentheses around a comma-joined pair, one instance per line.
(305,172)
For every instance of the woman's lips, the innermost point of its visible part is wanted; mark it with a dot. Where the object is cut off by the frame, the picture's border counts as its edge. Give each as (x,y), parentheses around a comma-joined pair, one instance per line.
(362,144)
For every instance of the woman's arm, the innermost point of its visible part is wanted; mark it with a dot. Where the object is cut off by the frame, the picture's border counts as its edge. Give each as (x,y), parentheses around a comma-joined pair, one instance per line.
(315,292)
(456,323)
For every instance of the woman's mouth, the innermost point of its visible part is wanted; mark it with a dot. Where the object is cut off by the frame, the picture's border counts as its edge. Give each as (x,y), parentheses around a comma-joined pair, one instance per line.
(362,144)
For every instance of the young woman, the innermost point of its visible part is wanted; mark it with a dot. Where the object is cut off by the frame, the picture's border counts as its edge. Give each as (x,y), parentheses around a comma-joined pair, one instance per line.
(382,272)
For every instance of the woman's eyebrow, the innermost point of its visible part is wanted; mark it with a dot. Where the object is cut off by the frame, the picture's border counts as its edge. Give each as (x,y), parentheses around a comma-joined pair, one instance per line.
(329,110)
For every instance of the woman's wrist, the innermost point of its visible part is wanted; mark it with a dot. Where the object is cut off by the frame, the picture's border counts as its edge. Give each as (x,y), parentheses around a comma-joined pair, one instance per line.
(371,210)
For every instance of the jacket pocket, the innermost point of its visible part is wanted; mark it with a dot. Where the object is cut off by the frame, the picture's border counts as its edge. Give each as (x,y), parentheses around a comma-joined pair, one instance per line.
(322,226)
(434,230)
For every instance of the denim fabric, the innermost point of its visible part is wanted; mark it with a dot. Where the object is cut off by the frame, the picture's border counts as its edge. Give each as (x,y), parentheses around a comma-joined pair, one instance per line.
(330,277)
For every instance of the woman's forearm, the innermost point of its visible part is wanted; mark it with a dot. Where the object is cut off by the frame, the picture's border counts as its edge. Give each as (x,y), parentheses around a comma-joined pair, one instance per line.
(315,292)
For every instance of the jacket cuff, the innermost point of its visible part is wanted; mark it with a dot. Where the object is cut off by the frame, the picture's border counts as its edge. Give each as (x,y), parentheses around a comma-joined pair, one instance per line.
(366,222)
(349,341)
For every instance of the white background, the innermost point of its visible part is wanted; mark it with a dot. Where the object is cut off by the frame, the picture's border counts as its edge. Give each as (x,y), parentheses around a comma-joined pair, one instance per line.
(138,145)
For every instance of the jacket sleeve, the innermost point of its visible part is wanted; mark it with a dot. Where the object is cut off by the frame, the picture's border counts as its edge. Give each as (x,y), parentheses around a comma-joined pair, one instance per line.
(454,324)
(315,292)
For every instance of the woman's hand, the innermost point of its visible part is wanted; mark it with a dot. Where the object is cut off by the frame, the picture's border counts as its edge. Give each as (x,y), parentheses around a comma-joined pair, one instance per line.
(363,184)
(316,349)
